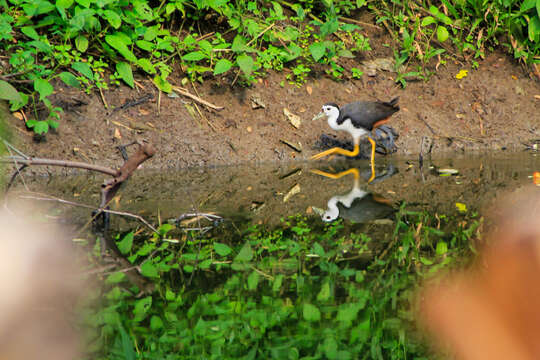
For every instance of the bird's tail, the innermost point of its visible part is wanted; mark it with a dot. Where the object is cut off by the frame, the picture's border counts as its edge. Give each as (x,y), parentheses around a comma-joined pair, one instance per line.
(394,103)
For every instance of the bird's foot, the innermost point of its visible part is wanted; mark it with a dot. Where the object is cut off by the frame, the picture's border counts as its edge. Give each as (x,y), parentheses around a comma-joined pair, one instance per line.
(385,136)
(337,150)
(353,171)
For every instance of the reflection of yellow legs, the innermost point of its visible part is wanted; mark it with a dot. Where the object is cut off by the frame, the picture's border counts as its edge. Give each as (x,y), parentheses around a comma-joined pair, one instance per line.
(353,171)
(353,153)
(372,159)
(337,150)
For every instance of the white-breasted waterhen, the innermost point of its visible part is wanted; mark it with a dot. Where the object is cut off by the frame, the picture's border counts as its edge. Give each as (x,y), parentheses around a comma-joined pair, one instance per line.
(358,119)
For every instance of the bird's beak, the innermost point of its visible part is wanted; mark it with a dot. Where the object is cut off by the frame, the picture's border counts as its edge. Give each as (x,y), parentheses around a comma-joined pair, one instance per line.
(319,116)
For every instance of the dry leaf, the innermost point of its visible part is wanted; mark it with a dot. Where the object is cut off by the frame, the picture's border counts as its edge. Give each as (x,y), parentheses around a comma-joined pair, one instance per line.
(309,89)
(117,134)
(18,115)
(537,97)
(294,119)
(144,112)
(249,129)
(293,191)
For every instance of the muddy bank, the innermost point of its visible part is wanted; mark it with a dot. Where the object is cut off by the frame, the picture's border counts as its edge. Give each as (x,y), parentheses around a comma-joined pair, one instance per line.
(492,108)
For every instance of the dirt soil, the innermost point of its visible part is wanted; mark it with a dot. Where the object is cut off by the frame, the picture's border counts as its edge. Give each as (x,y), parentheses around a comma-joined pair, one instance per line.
(493,108)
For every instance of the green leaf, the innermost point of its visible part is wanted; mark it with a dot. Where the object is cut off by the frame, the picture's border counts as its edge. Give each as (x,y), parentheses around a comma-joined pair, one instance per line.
(115,278)
(360,3)
(143,10)
(348,312)
(40,45)
(69,79)
(223,65)
(253,280)
(324,294)
(141,308)
(442,248)
(162,84)
(43,88)
(534,29)
(124,70)
(442,33)
(113,18)
(194,56)
(428,20)
(239,44)
(311,312)
(64,4)
(41,127)
(425,261)
(127,344)
(119,43)
(30,32)
(245,254)
(345,53)
(81,43)
(330,347)
(527,5)
(278,281)
(329,27)
(538,8)
(145,45)
(317,50)
(156,323)
(439,15)
(84,69)
(126,243)
(318,249)
(246,63)
(149,270)
(146,65)
(151,32)
(222,249)
(8,92)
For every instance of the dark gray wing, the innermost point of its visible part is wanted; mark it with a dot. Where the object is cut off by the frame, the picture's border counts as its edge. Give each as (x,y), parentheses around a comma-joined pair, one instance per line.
(367,113)
(366,209)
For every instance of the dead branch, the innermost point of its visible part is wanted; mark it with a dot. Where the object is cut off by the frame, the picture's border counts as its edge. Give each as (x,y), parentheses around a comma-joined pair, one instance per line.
(186,93)
(63,163)
(110,187)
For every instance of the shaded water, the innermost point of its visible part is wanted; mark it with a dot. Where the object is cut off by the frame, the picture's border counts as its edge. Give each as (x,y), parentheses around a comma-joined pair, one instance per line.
(302,287)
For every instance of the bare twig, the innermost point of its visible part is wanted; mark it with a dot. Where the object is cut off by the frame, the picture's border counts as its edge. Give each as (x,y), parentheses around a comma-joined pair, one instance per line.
(103,99)
(63,163)
(67,202)
(357,22)
(186,93)
(260,34)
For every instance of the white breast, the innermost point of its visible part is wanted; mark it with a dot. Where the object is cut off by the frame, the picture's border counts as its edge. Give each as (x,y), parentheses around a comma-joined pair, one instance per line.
(346,126)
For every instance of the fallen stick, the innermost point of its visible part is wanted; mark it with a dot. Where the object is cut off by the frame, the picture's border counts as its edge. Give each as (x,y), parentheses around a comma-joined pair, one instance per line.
(186,93)
(41,197)
(63,163)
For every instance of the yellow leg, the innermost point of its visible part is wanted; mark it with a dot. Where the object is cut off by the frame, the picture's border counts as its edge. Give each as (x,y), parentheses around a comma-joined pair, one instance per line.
(372,160)
(337,150)
(353,171)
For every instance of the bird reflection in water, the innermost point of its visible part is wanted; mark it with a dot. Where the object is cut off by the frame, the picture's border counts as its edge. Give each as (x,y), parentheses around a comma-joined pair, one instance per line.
(358,205)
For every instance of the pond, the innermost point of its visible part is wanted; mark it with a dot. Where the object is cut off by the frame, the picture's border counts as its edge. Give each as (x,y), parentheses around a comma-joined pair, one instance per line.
(287,261)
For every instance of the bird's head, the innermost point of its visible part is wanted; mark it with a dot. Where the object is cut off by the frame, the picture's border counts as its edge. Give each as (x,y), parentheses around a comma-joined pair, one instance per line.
(329,110)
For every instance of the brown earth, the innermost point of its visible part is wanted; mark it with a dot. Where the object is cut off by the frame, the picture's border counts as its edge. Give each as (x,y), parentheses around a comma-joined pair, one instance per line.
(492,108)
